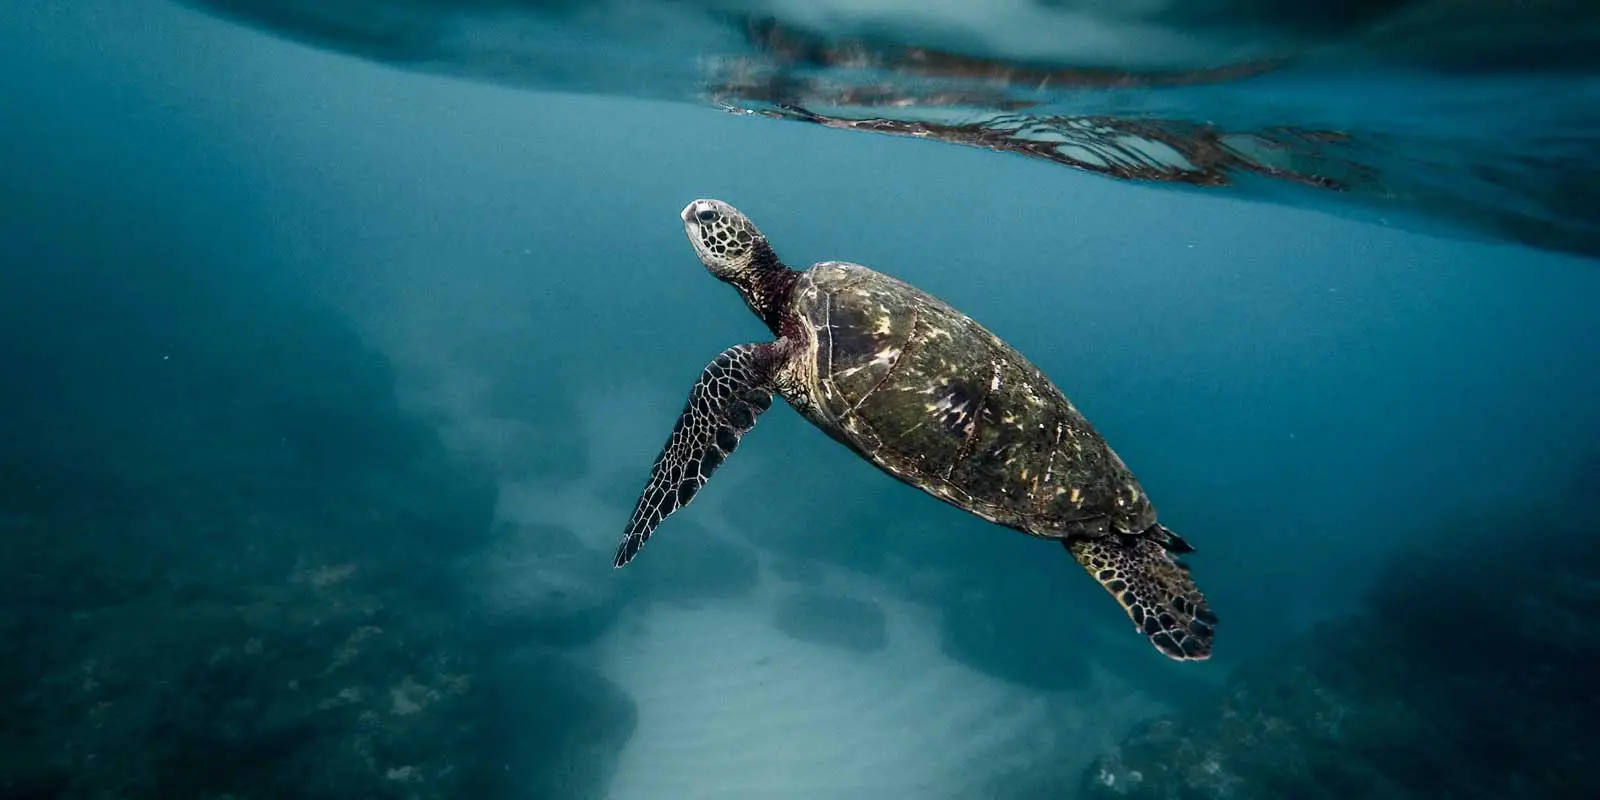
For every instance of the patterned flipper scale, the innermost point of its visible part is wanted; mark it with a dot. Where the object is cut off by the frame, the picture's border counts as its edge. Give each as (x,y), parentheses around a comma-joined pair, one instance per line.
(1144,575)
(723,405)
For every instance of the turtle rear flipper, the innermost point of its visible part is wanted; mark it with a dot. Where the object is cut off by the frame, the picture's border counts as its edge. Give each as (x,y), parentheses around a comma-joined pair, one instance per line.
(1156,590)
(723,405)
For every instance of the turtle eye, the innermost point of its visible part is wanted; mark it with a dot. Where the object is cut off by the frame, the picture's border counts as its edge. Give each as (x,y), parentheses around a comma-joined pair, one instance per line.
(705,215)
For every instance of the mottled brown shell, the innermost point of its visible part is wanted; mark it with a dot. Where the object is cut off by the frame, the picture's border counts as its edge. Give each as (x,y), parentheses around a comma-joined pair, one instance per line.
(936,400)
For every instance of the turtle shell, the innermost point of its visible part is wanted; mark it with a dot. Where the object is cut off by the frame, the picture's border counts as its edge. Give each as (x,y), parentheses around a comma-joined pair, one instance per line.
(933,398)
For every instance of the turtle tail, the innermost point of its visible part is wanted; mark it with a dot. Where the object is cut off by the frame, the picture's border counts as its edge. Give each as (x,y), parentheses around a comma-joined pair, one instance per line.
(1143,573)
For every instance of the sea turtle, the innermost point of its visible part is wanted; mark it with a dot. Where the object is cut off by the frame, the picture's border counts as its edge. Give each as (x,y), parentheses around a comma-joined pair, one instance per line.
(932,398)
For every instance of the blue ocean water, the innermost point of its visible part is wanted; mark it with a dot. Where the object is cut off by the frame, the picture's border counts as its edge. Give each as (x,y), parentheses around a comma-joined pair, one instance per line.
(331,385)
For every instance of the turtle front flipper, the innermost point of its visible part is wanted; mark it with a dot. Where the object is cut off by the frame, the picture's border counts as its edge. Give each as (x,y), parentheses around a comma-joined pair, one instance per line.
(1156,590)
(723,405)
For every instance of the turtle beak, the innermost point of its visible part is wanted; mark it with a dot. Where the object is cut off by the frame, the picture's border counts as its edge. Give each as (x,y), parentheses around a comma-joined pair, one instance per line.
(689,211)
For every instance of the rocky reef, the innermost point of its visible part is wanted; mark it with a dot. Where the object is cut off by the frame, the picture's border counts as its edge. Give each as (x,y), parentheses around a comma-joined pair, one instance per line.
(540,583)
(226,564)
(1469,675)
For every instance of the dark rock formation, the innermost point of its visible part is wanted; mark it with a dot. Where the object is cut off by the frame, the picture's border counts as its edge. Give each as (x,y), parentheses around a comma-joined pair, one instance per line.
(225,550)
(541,583)
(996,628)
(834,620)
(1470,676)
(555,729)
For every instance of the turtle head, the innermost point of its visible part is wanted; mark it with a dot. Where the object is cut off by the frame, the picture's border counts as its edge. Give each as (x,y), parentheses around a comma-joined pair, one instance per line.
(727,242)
